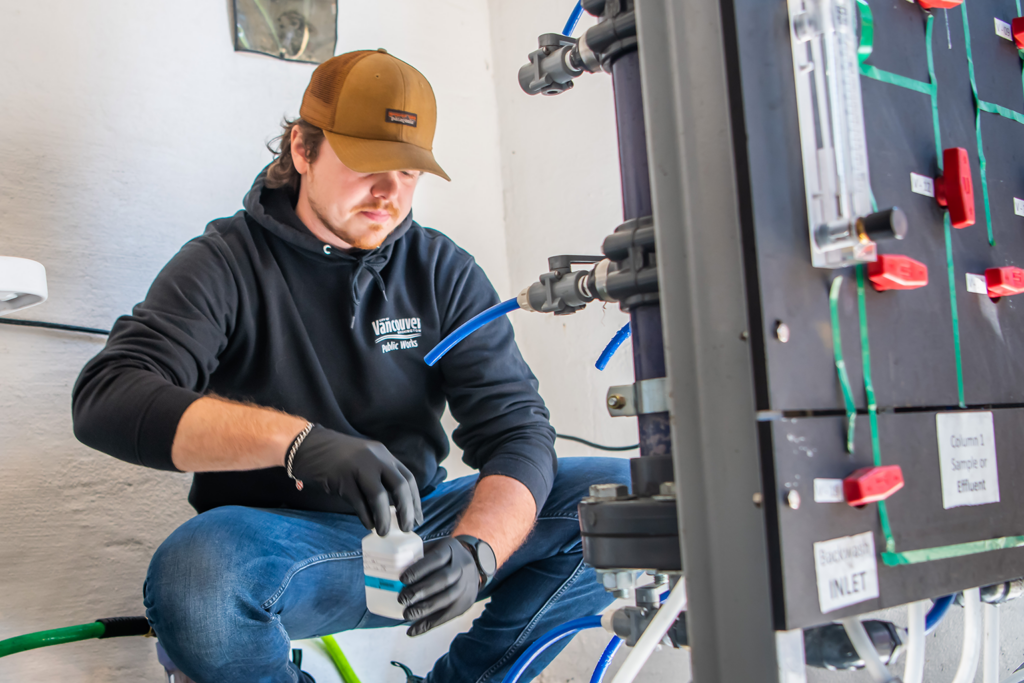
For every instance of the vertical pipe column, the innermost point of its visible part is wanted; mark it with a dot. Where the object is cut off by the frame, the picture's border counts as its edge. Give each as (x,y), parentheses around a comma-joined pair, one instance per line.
(645,319)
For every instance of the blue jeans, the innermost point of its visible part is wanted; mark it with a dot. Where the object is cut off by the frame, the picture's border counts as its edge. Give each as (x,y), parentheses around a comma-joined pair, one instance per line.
(230,588)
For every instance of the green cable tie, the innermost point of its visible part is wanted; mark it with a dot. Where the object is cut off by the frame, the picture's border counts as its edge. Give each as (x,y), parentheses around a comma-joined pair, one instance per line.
(944,552)
(837,351)
(867,31)
(340,661)
(869,394)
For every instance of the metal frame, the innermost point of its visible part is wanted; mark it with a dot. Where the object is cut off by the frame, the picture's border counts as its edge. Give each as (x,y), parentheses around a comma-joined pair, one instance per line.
(706,332)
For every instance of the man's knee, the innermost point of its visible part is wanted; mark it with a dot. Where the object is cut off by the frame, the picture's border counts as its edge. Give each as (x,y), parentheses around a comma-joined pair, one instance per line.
(202,586)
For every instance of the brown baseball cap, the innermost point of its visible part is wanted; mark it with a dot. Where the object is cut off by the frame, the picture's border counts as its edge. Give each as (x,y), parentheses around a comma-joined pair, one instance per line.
(377,112)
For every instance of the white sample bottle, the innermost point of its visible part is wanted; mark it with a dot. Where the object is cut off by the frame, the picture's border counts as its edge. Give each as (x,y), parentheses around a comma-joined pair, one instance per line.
(384,560)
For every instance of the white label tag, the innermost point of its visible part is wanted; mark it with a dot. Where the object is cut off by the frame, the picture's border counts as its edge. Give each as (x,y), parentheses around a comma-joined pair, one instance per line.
(1018,206)
(967,459)
(922,184)
(976,284)
(829,491)
(1003,30)
(847,571)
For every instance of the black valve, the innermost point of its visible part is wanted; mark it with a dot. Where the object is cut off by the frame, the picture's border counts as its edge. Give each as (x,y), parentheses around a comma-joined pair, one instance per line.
(883,225)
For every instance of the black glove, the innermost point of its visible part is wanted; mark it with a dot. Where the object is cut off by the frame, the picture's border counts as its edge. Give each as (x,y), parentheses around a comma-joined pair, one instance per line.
(440,587)
(364,473)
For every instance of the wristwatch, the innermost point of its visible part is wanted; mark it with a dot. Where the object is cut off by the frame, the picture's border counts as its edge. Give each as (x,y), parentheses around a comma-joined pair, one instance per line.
(483,555)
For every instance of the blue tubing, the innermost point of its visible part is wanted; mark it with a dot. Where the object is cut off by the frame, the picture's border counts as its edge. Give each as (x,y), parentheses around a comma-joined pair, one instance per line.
(606,658)
(939,608)
(566,630)
(574,19)
(613,346)
(469,327)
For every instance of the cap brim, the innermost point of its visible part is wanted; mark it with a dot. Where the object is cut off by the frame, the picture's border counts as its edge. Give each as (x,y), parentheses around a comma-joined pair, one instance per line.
(377,156)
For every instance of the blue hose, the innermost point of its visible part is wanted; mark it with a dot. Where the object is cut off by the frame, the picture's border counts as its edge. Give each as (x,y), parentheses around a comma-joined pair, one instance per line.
(606,659)
(574,19)
(935,614)
(566,630)
(613,346)
(469,327)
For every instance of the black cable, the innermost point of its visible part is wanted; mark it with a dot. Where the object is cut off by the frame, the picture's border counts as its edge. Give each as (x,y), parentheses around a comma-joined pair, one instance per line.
(596,445)
(54,326)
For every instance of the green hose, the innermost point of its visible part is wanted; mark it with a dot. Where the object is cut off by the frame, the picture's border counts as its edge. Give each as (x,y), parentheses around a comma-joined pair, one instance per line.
(55,636)
(340,661)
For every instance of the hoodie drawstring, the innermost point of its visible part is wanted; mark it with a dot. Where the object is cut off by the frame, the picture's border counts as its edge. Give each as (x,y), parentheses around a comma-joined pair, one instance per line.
(369,262)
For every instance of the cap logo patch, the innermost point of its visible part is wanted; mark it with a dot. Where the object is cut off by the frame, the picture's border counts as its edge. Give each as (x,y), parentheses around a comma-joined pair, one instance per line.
(403,117)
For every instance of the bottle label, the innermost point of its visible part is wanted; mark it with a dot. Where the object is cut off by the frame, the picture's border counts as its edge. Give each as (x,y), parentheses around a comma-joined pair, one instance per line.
(382,571)
(384,584)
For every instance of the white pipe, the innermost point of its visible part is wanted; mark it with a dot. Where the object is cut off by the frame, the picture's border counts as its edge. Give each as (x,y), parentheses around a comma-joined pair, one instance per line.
(652,635)
(990,662)
(913,669)
(866,650)
(972,637)
(1015,677)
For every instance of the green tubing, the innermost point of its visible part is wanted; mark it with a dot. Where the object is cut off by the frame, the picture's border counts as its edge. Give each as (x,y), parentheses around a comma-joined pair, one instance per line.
(892,559)
(55,636)
(339,659)
(867,31)
(837,351)
(869,394)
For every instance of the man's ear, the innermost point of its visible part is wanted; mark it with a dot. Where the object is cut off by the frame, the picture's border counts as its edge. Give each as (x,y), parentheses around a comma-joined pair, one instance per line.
(298,151)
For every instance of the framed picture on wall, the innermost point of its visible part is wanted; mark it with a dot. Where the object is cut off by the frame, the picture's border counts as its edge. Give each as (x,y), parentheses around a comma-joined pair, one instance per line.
(293,30)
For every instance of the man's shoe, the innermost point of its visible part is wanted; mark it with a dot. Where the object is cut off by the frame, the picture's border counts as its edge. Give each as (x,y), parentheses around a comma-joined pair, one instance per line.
(306,678)
(409,677)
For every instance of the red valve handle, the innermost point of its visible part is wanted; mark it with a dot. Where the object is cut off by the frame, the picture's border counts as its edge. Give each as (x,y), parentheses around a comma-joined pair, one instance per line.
(893,271)
(954,188)
(1005,281)
(872,484)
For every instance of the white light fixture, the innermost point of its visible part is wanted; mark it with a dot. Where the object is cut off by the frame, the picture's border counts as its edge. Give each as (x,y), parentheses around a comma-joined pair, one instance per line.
(22,283)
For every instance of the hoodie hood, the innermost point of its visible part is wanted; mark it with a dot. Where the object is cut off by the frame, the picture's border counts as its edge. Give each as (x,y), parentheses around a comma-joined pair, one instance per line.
(273,209)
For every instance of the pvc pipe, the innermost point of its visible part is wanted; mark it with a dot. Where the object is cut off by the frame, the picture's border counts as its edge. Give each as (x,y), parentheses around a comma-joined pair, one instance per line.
(469,327)
(574,19)
(913,668)
(866,650)
(936,613)
(566,630)
(1016,677)
(613,346)
(606,658)
(652,635)
(55,636)
(972,637)
(990,663)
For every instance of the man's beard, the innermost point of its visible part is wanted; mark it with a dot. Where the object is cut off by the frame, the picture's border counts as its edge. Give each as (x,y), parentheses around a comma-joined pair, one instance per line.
(374,234)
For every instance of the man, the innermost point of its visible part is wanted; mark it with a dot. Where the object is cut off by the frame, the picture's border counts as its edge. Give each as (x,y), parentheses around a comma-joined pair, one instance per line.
(279,357)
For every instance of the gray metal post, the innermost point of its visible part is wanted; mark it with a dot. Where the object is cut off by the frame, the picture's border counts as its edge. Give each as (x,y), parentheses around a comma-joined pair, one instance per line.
(705,318)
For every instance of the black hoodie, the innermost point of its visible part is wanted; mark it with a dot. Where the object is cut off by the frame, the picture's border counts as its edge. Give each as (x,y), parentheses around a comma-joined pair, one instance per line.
(259,310)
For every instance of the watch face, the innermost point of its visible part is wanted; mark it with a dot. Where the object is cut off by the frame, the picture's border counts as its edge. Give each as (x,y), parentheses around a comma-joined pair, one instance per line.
(485,555)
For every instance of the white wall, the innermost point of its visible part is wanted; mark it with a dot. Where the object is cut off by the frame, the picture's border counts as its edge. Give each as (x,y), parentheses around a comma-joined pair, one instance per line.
(125,127)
